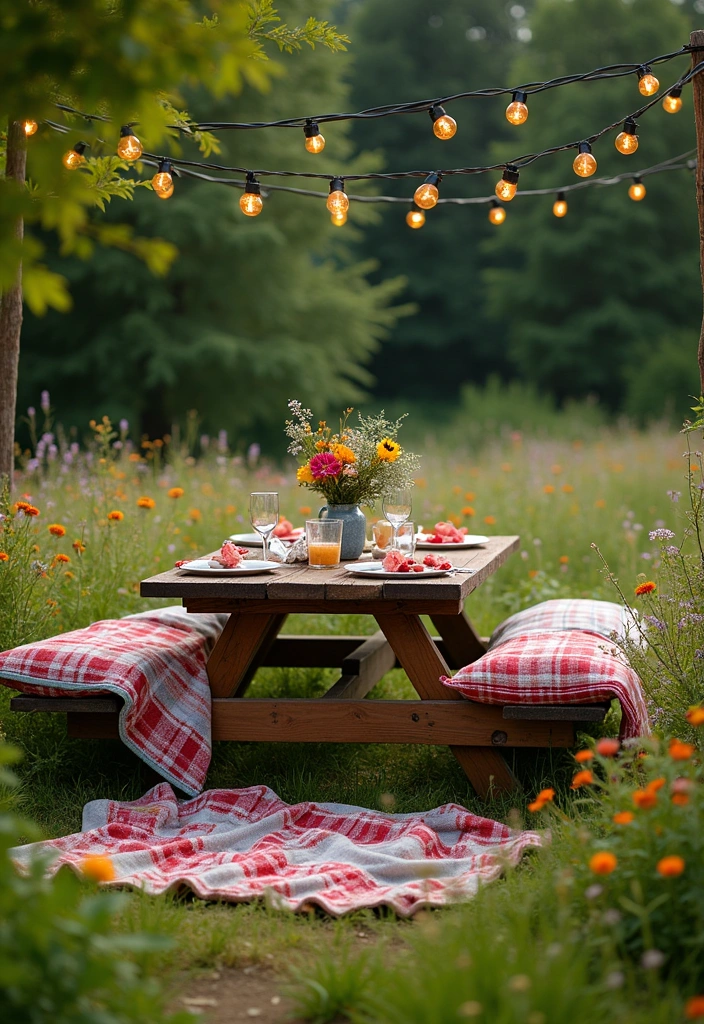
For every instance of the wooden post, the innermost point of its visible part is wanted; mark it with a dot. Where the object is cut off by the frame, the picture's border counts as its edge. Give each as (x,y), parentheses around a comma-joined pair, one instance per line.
(697,39)
(11,314)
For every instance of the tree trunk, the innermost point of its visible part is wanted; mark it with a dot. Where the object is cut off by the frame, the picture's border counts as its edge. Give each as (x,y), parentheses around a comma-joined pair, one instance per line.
(11,315)
(697,39)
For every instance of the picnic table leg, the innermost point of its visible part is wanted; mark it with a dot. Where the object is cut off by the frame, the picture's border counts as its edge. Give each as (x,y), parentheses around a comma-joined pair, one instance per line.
(462,643)
(424,664)
(237,654)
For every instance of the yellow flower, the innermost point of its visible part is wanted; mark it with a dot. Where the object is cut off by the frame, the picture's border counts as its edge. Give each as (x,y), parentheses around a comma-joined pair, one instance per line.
(388,450)
(304,475)
(344,454)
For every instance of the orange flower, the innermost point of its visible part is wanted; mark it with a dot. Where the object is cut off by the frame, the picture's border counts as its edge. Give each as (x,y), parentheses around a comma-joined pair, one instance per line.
(694,1008)
(623,817)
(305,510)
(69,575)
(145,502)
(61,557)
(116,516)
(603,863)
(57,530)
(670,867)
(4,556)
(548,489)
(24,506)
(599,503)
(100,869)
(608,747)
(468,511)
(695,716)
(135,457)
(680,751)
(567,489)
(583,778)
(564,559)
(645,799)
(556,469)
(655,784)
(680,799)
(195,514)
(78,546)
(544,796)
(582,756)
(469,496)
(506,467)
(176,492)
(490,520)
(645,588)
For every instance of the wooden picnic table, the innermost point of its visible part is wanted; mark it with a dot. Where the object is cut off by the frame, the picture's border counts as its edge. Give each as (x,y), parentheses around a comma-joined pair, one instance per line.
(258,607)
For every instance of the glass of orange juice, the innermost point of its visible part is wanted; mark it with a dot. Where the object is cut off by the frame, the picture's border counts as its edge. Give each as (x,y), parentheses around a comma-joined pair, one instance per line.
(324,537)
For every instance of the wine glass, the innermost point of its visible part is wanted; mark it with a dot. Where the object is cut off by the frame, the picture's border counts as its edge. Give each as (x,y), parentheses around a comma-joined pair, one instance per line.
(264,516)
(396,506)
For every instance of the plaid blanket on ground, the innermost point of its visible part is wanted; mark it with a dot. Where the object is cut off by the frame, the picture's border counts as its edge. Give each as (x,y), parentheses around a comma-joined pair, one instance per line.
(563,667)
(156,662)
(242,844)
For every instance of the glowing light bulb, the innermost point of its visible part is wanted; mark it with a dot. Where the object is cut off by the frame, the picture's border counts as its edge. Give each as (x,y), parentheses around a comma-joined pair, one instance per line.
(251,202)
(497,214)
(129,147)
(74,157)
(672,103)
(315,142)
(427,195)
(415,218)
(637,190)
(338,219)
(647,82)
(626,142)
(559,207)
(337,200)
(584,163)
(163,182)
(444,126)
(506,187)
(517,111)
(29,127)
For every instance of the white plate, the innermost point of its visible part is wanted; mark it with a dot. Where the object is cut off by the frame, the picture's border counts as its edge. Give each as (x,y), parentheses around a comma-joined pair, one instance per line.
(254,540)
(205,567)
(377,570)
(470,541)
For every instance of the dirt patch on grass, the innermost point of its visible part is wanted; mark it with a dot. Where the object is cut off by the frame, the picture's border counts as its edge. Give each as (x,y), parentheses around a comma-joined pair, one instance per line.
(254,994)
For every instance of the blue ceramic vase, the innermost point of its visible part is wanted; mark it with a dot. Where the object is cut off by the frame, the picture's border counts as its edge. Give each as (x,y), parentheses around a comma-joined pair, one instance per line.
(354,528)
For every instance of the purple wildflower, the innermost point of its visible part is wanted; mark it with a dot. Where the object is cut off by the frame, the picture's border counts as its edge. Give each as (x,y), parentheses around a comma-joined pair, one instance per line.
(674,495)
(45,402)
(204,441)
(31,412)
(655,622)
(222,441)
(124,426)
(671,549)
(253,453)
(661,534)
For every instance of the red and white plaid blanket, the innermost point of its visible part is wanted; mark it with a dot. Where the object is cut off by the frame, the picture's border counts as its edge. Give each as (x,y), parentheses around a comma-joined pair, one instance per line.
(156,662)
(242,844)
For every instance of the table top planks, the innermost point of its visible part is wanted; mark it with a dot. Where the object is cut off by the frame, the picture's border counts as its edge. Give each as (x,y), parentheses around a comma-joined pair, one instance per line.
(301,583)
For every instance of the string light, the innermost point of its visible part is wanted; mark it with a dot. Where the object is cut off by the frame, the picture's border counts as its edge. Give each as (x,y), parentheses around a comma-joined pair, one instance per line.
(29,127)
(637,190)
(444,126)
(73,158)
(584,163)
(517,111)
(559,207)
(338,219)
(648,84)
(129,147)
(672,103)
(508,183)
(163,182)
(315,142)
(497,213)
(251,202)
(415,218)
(337,200)
(626,142)
(427,195)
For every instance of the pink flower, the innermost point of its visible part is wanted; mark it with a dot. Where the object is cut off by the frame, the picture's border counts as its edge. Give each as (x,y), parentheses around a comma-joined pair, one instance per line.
(325,464)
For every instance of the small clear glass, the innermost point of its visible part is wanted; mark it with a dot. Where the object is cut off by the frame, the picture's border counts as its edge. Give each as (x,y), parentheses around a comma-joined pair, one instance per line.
(324,539)
(406,538)
(397,506)
(264,516)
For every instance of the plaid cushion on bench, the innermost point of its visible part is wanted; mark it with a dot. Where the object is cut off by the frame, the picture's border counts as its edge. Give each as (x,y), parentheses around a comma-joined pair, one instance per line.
(156,662)
(602,617)
(560,667)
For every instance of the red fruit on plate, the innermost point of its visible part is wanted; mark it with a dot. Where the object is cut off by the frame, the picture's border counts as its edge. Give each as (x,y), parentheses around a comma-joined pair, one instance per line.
(404,567)
(445,565)
(417,568)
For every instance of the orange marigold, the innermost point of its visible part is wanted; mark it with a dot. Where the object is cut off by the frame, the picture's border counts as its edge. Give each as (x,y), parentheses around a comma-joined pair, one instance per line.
(603,863)
(623,817)
(78,546)
(645,588)
(583,778)
(116,516)
(195,514)
(4,556)
(644,799)
(468,511)
(544,796)
(680,799)
(176,492)
(145,502)
(305,510)
(608,746)
(564,559)
(694,1008)
(24,506)
(582,756)
(548,489)
(61,557)
(680,751)
(99,868)
(695,716)
(655,784)
(57,530)
(490,520)
(671,866)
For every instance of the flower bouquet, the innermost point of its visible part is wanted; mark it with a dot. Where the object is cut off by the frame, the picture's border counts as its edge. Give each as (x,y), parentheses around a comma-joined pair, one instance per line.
(354,466)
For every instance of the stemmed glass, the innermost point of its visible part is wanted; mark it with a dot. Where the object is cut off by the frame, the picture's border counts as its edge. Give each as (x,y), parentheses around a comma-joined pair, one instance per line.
(396,506)
(264,516)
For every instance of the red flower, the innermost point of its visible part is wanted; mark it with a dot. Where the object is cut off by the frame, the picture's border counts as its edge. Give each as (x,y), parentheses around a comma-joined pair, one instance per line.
(325,464)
